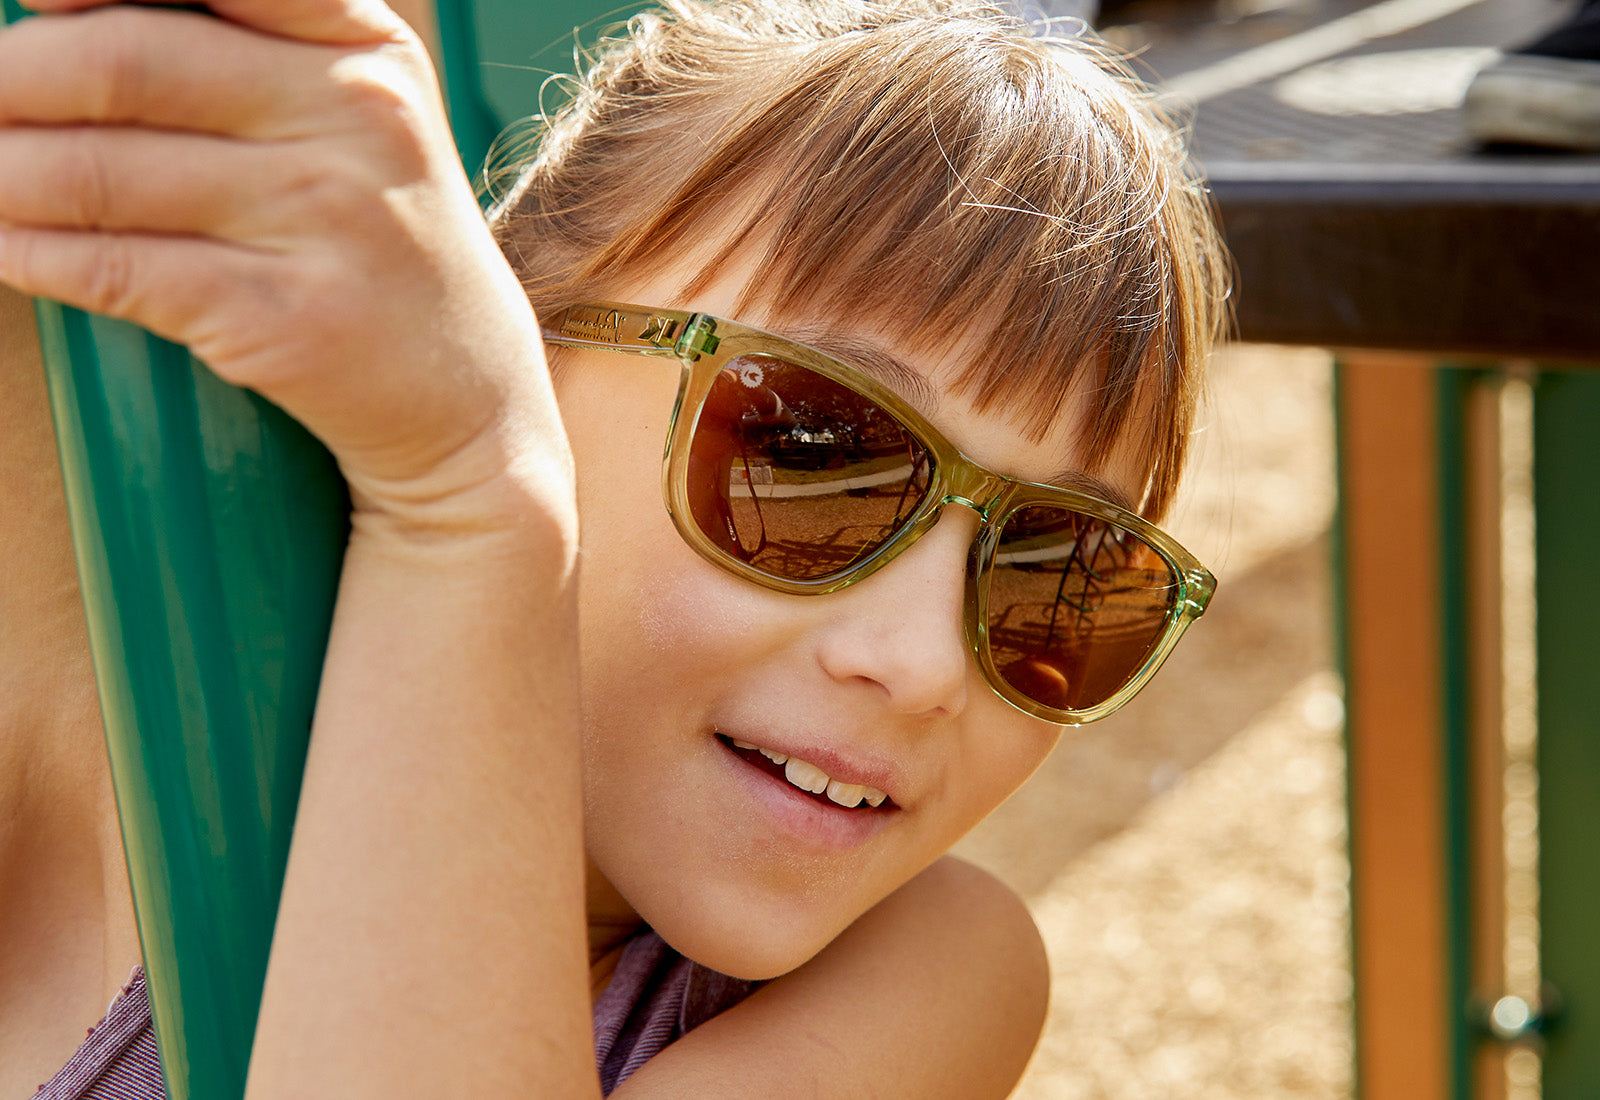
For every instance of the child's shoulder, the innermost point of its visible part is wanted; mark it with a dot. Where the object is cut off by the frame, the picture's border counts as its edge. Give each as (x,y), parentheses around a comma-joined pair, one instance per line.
(984,963)
(939,990)
(968,916)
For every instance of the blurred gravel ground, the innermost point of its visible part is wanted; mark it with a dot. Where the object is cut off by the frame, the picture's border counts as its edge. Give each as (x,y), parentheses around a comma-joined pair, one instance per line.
(1186,859)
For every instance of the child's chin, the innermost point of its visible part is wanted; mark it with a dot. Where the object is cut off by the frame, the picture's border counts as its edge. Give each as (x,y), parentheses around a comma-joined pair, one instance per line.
(747,950)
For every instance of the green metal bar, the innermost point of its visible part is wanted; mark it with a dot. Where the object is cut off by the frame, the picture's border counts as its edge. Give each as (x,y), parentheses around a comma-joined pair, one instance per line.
(1567,510)
(1452,388)
(1339,585)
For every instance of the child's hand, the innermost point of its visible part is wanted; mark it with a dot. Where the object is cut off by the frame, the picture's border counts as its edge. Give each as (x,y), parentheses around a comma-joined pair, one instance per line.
(277,189)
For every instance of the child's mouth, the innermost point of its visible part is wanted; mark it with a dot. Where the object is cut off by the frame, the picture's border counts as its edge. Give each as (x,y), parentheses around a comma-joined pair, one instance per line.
(809,779)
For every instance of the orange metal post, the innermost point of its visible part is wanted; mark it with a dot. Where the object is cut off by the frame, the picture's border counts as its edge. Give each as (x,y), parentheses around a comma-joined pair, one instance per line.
(1390,510)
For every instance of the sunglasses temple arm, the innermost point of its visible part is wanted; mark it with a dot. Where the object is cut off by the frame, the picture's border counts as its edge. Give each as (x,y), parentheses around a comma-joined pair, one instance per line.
(615,328)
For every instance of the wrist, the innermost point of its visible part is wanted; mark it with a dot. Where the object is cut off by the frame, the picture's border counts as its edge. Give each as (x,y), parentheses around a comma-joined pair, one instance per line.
(524,516)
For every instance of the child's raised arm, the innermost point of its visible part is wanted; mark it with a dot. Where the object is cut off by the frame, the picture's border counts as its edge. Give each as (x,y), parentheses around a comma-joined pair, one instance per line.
(277,189)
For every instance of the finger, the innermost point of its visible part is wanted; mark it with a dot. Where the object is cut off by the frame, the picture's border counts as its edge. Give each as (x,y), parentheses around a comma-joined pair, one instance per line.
(158,68)
(164,284)
(330,22)
(124,179)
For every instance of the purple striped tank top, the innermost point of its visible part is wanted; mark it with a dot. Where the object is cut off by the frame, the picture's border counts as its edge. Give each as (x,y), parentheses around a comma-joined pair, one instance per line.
(655,997)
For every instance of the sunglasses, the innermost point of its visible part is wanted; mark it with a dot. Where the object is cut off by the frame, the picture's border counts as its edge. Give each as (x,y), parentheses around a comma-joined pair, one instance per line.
(792,470)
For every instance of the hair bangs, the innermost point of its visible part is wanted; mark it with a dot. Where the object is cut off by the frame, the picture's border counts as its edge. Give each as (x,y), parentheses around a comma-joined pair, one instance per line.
(1010,194)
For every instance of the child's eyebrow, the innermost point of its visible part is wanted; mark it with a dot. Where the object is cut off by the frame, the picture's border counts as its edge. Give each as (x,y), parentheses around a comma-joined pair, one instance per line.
(874,361)
(1080,482)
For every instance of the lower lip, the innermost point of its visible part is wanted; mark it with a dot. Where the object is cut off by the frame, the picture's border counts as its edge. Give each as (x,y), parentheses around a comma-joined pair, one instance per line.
(822,825)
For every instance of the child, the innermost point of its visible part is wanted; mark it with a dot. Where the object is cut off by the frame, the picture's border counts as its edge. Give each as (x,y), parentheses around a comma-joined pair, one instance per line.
(917,305)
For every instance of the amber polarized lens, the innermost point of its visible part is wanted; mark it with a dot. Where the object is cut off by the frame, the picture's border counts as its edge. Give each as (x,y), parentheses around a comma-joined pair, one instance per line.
(797,475)
(1075,606)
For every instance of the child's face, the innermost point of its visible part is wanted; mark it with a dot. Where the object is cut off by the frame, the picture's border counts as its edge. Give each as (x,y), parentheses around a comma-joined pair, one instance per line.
(875,684)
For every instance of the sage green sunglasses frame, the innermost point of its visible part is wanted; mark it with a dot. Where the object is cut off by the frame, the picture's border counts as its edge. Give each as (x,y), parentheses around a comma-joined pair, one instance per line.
(704,345)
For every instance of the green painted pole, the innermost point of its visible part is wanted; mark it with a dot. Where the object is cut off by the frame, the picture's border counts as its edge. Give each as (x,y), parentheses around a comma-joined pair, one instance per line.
(1452,387)
(1566,442)
(209,530)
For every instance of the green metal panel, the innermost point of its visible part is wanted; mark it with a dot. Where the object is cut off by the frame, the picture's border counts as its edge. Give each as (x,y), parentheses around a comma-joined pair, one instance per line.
(209,530)
(499,54)
(472,118)
(1567,503)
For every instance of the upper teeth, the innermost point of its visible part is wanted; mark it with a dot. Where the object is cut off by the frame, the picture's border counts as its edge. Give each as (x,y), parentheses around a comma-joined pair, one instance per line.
(809,777)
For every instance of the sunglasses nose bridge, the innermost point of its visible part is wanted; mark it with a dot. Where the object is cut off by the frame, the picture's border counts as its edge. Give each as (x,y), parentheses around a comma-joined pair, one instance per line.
(956,498)
(971,486)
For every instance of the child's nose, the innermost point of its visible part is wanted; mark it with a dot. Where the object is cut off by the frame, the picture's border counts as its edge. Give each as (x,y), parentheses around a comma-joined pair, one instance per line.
(901,632)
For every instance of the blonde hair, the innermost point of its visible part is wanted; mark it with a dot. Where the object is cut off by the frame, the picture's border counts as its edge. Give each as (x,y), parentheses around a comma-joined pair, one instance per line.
(928,167)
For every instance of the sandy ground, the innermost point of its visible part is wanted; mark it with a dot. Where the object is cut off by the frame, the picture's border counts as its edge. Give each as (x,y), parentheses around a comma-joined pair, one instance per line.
(1185,860)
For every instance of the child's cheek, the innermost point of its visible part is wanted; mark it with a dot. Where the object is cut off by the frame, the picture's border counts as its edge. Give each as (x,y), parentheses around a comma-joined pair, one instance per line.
(696,609)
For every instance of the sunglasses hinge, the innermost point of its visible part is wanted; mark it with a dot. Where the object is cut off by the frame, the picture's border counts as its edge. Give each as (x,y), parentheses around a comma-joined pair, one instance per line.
(698,337)
(1198,592)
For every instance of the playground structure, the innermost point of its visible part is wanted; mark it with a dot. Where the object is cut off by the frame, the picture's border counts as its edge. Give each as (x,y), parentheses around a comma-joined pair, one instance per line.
(208,530)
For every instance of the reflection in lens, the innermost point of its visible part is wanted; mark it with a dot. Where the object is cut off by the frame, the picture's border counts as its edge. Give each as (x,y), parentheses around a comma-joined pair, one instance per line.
(798,475)
(1075,606)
